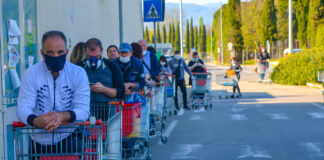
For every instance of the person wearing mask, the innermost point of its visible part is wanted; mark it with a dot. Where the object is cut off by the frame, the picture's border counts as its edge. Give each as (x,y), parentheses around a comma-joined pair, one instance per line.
(235,66)
(137,50)
(54,91)
(196,65)
(165,68)
(112,52)
(131,67)
(105,77)
(263,62)
(150,61)
(178,66)
(78,53)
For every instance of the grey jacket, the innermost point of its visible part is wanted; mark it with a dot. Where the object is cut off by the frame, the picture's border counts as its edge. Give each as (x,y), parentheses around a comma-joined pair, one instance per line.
(173,63)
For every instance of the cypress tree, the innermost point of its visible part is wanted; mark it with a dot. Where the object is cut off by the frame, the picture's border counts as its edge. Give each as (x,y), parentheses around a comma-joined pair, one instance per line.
(170,33)
(204,39)
(302,18)
(315,17)
(191,35)
(234,26)
(269,22)
(173,35)
(177,37)
(187,42)
(146,34)
(164,39)
(196,37)
(158,33)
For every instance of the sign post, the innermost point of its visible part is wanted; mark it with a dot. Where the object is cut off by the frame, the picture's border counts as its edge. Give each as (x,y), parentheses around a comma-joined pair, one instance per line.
(154,12)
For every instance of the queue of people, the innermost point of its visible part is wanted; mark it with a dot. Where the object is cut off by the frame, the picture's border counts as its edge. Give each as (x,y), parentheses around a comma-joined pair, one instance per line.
(55,91)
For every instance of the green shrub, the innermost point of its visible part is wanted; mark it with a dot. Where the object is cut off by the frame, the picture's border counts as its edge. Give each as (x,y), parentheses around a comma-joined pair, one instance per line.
(299,68)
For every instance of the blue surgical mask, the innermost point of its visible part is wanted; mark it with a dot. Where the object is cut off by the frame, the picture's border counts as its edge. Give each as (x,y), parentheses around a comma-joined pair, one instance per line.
(55,64)
(195,59)
(94,63)
(233,62)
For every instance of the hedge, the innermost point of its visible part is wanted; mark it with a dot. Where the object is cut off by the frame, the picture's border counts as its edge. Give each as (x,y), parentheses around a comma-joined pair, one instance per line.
(299,68)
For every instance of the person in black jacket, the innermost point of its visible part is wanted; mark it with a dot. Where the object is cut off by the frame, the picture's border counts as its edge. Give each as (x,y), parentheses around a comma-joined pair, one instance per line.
(263,62)
(237,68)
(105,77)
(196,65)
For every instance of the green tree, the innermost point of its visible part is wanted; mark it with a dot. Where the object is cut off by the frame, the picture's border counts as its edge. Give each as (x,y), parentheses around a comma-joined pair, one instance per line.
(200,37)
(170,33)
(164,34)
(234,26)
(319,41)
(187,41)
(315,17)
(196,37)
(302,18)
(158,33)
(177,37)
(204,39)
(173,35)
(147,34)
(282,24)
(269,22)
(191,35)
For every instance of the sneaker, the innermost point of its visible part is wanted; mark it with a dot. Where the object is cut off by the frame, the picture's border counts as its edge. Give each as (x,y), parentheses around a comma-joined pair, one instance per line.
(232,96)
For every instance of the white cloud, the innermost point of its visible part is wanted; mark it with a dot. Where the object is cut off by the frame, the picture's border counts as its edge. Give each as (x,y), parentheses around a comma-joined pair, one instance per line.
(198,1)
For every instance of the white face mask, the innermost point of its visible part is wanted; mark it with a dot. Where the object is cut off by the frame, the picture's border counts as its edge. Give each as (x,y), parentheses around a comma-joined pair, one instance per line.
(162,63)
(124,59)
(144,52)
(263,50)
(233,62)
(178,56)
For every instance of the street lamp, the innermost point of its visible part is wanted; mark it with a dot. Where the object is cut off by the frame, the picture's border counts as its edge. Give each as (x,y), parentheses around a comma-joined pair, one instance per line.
(181,38)
(221,17)
(290,26)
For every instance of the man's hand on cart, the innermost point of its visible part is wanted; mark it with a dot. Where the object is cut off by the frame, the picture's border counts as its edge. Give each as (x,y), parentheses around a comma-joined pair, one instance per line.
(129,86)
(51,120)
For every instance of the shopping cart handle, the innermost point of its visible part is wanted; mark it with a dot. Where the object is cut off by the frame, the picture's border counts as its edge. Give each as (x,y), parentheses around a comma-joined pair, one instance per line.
(116,102)
(203,73)
(17,124)
(130,93)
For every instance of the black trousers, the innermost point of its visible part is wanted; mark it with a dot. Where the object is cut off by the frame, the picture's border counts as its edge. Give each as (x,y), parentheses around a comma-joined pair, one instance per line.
(182,85)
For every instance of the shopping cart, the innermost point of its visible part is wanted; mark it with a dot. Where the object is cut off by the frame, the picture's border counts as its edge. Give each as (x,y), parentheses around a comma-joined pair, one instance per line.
(201,90)
(111,115)
(157,113)
(169,96)
(264,68)
(70,141)
(227,82)
(136,121)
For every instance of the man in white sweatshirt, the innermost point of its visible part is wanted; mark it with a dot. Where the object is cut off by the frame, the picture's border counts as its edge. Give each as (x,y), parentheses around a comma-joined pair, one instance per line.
(54,91)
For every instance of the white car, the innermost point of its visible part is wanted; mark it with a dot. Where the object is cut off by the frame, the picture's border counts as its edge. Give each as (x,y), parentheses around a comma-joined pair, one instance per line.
(286,51)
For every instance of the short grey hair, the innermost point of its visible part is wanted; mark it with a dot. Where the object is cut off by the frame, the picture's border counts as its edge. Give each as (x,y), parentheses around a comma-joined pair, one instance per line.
(51,34)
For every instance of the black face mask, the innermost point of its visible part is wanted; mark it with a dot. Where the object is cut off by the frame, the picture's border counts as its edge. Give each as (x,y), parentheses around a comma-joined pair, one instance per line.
(55,63)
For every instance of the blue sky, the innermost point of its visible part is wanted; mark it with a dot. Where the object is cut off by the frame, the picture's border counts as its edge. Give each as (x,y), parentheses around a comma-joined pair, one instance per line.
(198,1)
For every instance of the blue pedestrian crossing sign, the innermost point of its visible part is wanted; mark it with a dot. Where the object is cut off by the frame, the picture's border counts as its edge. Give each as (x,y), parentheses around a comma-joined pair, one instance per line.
(153,10)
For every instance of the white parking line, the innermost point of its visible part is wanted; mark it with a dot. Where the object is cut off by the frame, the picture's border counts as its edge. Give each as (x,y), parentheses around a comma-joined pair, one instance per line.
(253,151)
(316,115)
(186,151)
(239,117)
(314,149)
(278,116)
(169,130)
(318,106)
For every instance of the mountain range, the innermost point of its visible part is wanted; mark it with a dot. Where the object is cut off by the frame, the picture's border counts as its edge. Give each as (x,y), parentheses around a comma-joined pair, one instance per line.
(192,10)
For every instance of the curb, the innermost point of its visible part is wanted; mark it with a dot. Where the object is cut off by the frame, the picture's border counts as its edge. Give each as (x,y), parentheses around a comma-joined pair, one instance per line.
(313,85)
